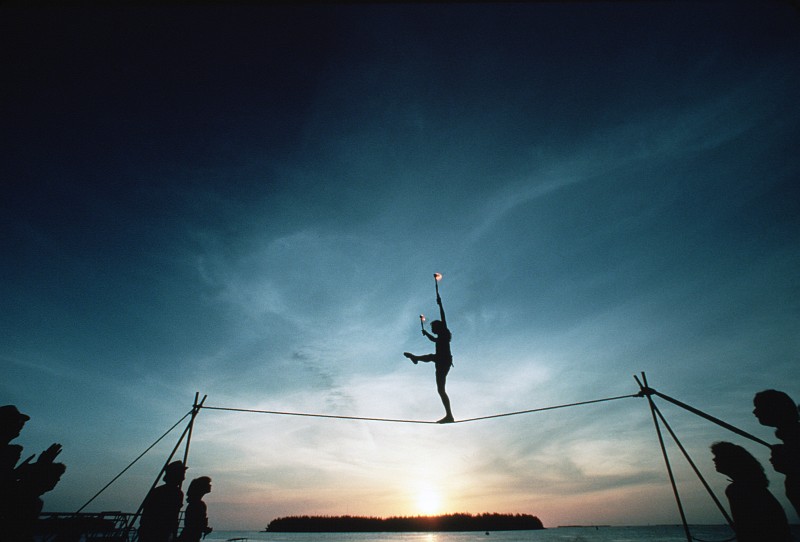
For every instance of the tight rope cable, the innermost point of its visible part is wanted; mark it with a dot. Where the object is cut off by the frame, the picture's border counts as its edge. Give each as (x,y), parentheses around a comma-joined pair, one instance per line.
(309,415)
(394,420)
(542,409)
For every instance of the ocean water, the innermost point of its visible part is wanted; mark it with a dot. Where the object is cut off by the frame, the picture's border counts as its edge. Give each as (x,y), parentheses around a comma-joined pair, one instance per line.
(656,533)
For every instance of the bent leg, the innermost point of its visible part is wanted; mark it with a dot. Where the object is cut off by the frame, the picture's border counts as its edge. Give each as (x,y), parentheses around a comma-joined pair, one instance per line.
(426,357)
(415,359)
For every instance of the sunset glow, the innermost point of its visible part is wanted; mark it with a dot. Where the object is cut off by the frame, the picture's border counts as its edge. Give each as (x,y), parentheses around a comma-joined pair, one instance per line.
(428,501)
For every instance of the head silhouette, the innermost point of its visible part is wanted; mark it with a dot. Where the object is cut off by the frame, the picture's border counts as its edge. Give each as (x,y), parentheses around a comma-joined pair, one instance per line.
(738,464)
(175,473)
(775,409)
(198,488)
(438,327)
(11,423)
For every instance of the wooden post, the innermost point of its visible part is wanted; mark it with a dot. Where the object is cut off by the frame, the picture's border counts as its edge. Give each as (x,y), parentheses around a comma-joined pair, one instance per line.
(666,457)
(195,411)
(694,467)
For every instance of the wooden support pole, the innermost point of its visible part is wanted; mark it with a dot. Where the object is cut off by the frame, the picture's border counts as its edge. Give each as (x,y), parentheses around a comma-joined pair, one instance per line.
(666,458)
(195,411)
(696,470)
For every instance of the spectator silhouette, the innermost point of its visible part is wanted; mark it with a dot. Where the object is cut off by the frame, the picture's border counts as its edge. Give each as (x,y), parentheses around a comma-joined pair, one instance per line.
(776,409)
(162,506)
(11,423)
(35,480)
(22,484)
(443,358)
(195,520)
(757,515)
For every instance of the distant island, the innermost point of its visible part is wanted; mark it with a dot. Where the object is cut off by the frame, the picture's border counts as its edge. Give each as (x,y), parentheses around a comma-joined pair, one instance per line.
(450,522)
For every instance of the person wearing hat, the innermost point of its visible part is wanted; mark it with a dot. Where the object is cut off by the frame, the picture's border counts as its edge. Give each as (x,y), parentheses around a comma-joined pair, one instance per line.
(23,484)
(162,506)
(11,423)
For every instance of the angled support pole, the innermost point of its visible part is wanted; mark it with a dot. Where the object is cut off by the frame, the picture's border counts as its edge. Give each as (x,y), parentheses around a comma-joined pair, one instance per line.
(694,467)
(664,453)
(133,462)
(188,431)
(195,410)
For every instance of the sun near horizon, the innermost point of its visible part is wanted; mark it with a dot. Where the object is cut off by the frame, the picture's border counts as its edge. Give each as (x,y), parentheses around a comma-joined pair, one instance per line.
(428,501)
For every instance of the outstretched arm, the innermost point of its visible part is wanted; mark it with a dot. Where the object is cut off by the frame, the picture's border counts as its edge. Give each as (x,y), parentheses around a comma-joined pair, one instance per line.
(441,310)
(430,337)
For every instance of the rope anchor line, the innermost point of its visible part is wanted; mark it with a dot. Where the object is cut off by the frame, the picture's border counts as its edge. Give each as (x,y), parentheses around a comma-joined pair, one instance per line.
(395,420)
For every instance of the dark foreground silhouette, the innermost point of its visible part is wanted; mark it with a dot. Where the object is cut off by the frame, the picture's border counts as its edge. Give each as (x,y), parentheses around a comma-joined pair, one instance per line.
(162,506)
(23,483)
(757,515)
(776,409)
(195,520)
(450,522)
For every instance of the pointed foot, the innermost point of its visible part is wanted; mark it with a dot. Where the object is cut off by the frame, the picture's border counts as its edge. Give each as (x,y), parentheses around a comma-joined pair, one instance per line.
(410,356)
(446,419)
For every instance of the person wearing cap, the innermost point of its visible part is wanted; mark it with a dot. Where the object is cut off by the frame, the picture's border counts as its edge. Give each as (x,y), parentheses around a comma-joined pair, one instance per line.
(11,423)
(22,484)
(162,506)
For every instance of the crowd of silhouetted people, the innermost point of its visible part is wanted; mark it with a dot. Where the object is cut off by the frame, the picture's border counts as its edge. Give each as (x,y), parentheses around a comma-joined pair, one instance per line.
(23,482)
(756,513)
(162,507)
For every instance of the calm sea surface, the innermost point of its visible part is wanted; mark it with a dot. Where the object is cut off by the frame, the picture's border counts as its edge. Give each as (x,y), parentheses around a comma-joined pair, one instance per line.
(660,533)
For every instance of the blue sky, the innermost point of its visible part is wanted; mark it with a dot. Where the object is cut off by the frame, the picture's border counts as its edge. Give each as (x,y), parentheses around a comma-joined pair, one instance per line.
(250,203)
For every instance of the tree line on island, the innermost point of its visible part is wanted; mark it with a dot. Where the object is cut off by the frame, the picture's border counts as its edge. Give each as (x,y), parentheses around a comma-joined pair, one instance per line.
(449,522)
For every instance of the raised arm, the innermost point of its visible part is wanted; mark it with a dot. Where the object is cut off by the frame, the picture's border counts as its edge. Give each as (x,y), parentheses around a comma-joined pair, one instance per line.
(441,310)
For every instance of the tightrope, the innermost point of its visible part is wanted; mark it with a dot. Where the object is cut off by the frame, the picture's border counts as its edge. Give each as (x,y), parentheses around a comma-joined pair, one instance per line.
(396,420)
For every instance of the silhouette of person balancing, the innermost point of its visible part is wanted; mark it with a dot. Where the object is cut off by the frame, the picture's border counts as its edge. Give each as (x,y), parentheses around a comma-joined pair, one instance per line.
(442,358)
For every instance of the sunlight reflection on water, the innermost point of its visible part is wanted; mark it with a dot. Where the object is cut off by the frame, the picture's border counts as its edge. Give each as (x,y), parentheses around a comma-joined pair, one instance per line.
(658,533)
